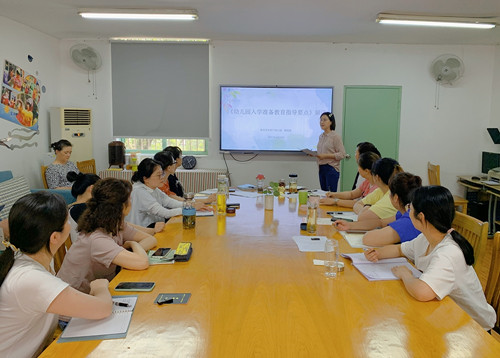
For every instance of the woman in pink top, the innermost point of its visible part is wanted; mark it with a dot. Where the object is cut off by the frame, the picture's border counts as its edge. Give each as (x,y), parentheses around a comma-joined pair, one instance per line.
(349,198)
(329,154)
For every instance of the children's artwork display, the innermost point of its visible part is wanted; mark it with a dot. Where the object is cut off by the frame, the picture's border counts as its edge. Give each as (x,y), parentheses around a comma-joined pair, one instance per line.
(20,97)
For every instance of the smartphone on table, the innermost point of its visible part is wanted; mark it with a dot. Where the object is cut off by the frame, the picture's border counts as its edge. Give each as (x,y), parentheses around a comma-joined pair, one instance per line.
(135,286)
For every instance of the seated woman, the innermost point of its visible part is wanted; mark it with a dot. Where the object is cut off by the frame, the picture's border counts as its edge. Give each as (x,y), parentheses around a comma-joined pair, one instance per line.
(376,209)
(56,173)
(82,191)
(349,198)
(401,187)
(363,147)
(104,238)
(150,204)
(169,166)
(31,297)
(173,186)
(442,254)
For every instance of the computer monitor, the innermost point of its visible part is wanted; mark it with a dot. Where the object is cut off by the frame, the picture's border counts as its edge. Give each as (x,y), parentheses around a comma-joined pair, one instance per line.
(489,161)
(494,134)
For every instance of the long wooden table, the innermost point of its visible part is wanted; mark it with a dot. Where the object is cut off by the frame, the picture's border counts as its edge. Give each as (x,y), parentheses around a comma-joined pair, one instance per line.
(255,295)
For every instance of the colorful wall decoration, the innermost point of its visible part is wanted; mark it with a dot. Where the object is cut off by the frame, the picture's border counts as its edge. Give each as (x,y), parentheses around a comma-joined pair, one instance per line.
(20,97)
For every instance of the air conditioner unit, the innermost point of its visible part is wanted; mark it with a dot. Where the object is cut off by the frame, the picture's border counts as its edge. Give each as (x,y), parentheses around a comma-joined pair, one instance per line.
(75,125)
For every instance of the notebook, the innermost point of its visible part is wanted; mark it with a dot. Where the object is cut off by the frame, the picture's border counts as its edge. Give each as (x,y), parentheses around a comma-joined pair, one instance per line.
(114,326)
(380,270)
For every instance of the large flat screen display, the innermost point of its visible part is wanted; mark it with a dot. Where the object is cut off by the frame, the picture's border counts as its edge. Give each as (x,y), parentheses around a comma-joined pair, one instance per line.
(272,119)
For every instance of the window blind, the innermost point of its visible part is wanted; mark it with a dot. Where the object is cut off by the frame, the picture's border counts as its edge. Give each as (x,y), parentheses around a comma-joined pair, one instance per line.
(160,90)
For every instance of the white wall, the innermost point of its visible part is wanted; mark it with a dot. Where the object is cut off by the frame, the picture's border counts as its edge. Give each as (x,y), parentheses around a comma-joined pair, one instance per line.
(453,135)
(16,42)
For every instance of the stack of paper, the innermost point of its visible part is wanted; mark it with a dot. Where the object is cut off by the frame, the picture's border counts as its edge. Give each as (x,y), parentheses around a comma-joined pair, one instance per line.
(310,243)
(380,270)
(354,239)
(345,215)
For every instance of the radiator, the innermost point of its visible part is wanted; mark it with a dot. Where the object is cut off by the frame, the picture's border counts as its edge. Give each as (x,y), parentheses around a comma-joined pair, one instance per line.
(194,180)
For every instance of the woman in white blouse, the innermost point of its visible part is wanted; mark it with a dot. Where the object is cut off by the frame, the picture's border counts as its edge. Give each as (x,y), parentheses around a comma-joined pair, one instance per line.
(150,204)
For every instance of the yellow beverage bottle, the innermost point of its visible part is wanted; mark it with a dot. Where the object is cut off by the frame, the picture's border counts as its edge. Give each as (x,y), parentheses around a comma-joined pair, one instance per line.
(221,203)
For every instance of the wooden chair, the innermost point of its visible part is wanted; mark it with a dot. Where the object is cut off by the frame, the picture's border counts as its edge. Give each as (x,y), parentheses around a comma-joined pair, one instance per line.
(61,253)
(492,290)
(433,172)
(86,166)
(475,231)
(43,169)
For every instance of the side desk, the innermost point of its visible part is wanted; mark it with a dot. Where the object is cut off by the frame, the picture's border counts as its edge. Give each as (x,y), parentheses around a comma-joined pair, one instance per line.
(494,194)
(255,294)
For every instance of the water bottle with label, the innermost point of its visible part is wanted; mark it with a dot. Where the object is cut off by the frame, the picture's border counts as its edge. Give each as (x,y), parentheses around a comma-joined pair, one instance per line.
(188,212)
(222,192)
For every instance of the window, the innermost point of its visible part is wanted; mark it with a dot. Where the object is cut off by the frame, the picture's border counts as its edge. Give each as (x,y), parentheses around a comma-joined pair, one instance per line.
(154,145)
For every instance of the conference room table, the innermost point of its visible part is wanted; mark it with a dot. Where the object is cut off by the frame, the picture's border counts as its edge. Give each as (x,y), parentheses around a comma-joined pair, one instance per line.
(254,294)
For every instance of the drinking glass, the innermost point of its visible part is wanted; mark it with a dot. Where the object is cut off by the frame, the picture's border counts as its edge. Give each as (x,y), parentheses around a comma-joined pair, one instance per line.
(331,257)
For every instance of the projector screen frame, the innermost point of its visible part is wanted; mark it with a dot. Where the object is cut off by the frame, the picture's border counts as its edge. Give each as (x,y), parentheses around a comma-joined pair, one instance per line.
(264,151)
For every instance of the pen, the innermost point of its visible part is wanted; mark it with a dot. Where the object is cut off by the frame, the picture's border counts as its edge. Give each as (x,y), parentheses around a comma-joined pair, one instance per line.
(315,238)
(121,304)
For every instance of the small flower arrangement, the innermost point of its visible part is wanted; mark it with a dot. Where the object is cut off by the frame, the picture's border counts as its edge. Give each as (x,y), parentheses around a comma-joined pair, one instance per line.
(260,177)
(272,189)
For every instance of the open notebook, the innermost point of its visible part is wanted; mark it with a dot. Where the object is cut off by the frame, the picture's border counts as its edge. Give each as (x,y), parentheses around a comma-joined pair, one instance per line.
(380,270)
(114,326)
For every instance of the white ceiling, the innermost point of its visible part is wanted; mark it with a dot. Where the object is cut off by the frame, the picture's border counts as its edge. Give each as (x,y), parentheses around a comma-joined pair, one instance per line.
(346,21)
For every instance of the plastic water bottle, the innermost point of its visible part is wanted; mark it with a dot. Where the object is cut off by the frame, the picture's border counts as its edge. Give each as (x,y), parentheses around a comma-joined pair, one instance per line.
(188,212)
(331,257)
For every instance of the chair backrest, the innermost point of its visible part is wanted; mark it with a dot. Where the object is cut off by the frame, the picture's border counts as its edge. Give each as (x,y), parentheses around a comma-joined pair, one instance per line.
(492,290)
(61,253)
(434,175)
(86,166)
(474,230)
(43,169)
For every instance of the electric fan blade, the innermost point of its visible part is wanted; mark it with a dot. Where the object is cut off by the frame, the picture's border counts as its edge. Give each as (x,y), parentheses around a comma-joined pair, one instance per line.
(452,63)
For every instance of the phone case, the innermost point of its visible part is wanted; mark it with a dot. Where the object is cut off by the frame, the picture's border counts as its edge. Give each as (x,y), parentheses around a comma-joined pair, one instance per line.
(135,289)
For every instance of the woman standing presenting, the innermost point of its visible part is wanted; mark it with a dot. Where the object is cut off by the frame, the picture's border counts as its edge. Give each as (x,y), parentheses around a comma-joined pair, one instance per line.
(330,152)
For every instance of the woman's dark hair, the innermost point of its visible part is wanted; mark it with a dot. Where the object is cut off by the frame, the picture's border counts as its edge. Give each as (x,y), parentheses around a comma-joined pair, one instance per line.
(32,219)
(105,208)
(165,158)
(61,144)
(364,147)
(385,168)
(403,184)
(81,182)
(367,159)
(438,207)
(331,117)
(176,151)
(146,168)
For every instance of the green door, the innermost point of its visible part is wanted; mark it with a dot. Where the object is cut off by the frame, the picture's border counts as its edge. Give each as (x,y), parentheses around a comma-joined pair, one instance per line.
(371,114)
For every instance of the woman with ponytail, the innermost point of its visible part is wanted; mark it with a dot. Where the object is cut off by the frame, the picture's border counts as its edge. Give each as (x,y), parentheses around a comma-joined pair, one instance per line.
(31,297)
(442,254)
(104,238)
(375,209)
(401,187)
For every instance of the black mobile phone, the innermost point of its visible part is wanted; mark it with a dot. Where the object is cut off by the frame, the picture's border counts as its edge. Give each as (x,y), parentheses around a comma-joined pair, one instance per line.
(162,251)
(234,205)
(135,286)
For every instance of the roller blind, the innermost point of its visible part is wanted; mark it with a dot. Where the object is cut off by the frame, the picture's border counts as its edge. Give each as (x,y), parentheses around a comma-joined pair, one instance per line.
(160,90)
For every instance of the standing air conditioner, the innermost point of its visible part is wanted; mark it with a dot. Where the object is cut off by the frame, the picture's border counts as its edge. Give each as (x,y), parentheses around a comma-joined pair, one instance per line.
(75,125)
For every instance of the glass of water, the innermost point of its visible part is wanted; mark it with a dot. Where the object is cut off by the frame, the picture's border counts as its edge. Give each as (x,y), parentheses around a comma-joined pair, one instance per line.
(331,257)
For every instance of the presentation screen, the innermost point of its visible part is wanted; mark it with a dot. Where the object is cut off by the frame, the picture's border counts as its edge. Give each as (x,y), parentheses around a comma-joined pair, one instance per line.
(272,119)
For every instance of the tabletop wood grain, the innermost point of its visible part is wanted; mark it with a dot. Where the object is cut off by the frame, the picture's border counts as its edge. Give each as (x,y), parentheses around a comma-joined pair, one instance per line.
(255,295)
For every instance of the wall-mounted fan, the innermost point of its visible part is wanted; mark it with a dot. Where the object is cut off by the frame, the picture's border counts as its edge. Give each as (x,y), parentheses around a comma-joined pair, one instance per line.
(447,69)
(85,57)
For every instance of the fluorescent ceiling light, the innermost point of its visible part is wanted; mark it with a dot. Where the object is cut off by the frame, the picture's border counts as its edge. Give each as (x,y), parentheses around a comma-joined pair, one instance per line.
(437,21)
(158,39)
(138,14)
